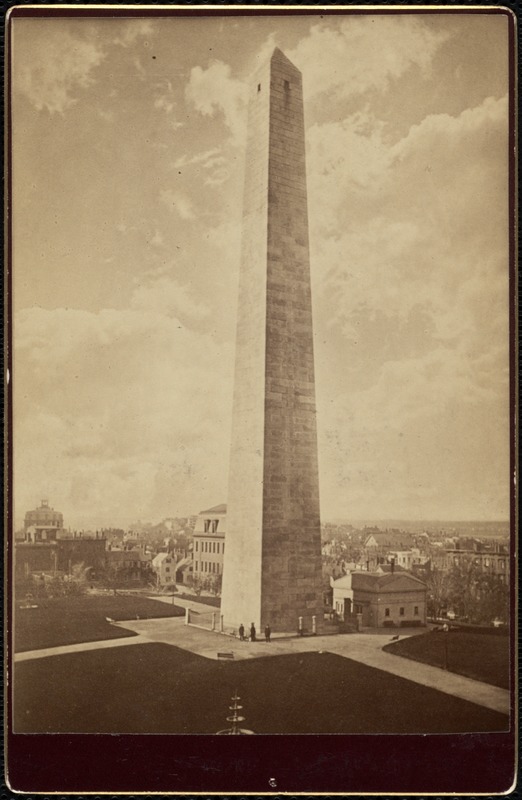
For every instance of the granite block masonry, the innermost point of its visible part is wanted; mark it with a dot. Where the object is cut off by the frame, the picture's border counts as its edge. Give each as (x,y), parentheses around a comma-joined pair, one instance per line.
(272,566)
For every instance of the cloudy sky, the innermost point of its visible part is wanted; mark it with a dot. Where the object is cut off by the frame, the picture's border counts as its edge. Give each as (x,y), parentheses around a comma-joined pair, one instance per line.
(128,156)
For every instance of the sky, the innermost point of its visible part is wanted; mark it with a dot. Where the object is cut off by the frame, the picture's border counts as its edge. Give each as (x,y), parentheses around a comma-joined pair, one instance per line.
(128,165)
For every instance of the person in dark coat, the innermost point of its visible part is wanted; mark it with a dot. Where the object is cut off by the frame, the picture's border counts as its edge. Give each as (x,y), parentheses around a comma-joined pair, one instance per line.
(252,632)
(267,633)
(242,632)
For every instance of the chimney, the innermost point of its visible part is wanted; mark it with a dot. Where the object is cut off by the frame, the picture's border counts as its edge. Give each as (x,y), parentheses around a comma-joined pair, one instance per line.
(392,564)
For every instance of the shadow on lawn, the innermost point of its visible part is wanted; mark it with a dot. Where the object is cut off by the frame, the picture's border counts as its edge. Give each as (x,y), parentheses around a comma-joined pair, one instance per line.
(158,688)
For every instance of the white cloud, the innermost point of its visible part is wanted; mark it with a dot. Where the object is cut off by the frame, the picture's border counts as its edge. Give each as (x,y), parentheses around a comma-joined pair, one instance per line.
(164,97)
(410,251)
(119,412)
(133,30)
(170,298)
(60,65)
(198,158)
(211,161)
(108,116)
(409,224)
(213,91)
(217,177)
(178,203)
(380,48)
(163,103)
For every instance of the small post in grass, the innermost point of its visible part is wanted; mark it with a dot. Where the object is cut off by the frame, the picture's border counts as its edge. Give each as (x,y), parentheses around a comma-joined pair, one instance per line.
(187,612)
(445,629)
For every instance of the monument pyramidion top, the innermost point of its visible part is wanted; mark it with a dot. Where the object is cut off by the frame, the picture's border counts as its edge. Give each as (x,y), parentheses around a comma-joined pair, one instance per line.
(278,57)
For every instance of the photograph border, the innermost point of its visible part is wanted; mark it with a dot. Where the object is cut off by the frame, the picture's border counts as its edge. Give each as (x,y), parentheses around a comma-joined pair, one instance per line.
(312,764)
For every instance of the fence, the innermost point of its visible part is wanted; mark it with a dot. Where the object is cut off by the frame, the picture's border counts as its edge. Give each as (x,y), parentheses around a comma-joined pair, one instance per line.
(208,621)
(213,621)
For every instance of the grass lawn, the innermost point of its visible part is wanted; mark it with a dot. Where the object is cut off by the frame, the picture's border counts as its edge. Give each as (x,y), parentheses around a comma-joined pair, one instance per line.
(157,688)
(482,656)
(205,599)
(69,620)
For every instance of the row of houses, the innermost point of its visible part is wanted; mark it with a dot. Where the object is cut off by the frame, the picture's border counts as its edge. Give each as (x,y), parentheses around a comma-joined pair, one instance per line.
(48,547)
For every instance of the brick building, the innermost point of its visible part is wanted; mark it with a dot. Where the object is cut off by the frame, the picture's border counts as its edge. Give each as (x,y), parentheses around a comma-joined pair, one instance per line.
(382,599)
(209,542)
(492,559)
(59,555)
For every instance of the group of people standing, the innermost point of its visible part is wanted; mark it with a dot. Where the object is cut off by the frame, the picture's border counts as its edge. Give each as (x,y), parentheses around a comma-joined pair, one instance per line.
(243,638)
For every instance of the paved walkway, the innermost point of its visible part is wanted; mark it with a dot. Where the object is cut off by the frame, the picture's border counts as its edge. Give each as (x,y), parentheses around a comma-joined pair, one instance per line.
(358,646)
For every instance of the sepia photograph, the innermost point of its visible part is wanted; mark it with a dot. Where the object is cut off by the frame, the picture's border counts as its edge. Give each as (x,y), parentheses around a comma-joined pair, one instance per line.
(260,303)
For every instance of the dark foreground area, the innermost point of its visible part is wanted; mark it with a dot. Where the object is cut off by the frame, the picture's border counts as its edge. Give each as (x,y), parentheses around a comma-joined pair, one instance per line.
(482,656)
(70,620)
(157,688)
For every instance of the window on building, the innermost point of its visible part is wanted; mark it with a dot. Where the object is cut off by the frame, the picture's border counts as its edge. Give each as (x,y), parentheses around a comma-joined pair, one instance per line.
(258,87)
(207,525)
(502,564)
(287,85)
(386,612)
(197,544)
(416,611)
(486,562)
(401,611)
(196,567)
(358,609)
(167,569)
(223,550)
(215,523)
(217,548)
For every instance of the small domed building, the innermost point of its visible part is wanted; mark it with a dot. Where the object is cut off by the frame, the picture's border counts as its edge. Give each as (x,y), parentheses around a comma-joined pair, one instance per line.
(43,523)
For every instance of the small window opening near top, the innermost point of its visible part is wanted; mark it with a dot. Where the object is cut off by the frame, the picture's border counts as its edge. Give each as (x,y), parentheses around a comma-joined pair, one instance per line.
(287,84)
(258,87)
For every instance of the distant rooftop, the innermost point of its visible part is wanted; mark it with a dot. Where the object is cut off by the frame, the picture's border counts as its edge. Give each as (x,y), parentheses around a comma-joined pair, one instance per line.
(221,509)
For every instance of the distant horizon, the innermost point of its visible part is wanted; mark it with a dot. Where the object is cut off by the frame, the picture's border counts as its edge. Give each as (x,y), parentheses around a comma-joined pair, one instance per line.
(356,521)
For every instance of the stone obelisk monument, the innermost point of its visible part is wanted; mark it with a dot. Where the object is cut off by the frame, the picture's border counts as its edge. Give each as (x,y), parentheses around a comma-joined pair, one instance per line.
(272,565)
